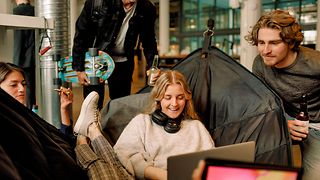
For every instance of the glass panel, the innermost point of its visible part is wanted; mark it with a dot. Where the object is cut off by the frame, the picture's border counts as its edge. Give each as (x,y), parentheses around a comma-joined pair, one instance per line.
(309,37)
(236,18)
(308,18)
(219,42)
(195,14)
(195,17)
(268,1)
(190,14)
(203,23)
(190,43)
(267,5)
(190,23)
(206,3)
(222,4)
(230,44)
(236,48)
(222,19)
(288,4)
(189,5)
(206,11)
(306,14)
(309,13)
(314,2)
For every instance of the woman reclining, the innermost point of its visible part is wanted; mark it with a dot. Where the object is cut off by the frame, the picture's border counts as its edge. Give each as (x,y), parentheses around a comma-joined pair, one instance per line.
(170,127)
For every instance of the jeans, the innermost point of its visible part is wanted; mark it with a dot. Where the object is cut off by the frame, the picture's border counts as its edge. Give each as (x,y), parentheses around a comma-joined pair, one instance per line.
(311,155)
(119,82)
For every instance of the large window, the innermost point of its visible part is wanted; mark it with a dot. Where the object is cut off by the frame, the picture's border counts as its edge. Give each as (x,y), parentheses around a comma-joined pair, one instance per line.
(304,10)
(194,14)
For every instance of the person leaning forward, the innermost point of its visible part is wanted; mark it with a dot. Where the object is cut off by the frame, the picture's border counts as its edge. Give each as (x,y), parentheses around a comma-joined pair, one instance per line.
(291,71)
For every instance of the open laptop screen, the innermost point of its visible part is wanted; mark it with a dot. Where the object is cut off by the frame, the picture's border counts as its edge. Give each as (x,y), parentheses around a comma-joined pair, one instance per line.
(225,170)
(181,166)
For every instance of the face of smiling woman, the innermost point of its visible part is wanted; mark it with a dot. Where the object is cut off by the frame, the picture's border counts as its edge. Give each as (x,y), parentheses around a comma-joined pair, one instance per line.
(15,85)
(173,101)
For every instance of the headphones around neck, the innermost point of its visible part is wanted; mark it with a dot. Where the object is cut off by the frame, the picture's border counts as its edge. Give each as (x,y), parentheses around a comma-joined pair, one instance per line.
(170,125)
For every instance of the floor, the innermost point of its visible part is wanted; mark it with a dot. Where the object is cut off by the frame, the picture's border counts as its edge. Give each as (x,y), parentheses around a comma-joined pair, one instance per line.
(137,84)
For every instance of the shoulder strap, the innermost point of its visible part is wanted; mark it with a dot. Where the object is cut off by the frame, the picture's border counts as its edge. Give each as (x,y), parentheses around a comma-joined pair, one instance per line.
(207,39)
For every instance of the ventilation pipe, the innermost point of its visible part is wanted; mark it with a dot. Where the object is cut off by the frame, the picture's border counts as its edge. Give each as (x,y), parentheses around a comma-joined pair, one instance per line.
(56,42)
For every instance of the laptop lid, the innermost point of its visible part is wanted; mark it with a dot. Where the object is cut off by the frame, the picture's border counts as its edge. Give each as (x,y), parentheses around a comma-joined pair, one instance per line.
(224,169)
(182,166)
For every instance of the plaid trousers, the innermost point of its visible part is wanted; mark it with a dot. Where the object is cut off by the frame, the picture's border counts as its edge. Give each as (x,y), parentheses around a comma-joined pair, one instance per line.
(100,161)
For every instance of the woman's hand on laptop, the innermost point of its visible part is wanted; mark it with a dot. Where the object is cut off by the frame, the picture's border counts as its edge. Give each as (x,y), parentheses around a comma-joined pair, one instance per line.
(155,173)
(197,173)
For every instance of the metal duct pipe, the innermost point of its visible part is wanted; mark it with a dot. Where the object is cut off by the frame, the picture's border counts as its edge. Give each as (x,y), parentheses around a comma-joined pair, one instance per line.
(49,104)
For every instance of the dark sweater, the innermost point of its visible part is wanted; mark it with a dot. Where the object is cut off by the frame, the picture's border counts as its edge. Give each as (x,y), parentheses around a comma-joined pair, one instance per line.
(290,83)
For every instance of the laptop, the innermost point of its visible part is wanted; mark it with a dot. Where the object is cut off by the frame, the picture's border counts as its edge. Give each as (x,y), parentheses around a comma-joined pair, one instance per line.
(223,170)
(181,166)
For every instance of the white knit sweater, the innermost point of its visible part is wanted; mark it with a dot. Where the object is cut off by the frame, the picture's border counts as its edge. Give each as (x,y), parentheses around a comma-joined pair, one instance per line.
(144,143)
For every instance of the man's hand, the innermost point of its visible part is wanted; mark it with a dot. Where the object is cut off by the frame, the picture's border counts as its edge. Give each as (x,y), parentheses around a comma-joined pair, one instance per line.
(298,129)
(82,77)
(152,78)
(151,172)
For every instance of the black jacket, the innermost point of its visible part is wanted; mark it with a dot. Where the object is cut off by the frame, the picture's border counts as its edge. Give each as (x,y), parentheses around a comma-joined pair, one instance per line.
(24,47)
(103,24)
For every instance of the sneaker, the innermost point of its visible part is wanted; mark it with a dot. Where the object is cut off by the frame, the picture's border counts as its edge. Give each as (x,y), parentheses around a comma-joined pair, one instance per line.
(89,114)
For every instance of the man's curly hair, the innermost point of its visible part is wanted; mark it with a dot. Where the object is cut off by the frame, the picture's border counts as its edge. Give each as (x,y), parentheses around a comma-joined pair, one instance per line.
(290,30)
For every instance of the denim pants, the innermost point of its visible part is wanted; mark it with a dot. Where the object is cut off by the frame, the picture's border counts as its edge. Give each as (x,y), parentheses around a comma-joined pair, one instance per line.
(311,155)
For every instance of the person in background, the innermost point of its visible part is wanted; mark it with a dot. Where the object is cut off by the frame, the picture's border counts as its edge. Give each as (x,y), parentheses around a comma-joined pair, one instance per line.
(166,129)
(13,81)
(24,50)
(291,70)
(115,29)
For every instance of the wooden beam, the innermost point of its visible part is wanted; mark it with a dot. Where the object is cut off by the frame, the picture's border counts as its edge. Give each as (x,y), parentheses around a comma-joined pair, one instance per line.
(17,21)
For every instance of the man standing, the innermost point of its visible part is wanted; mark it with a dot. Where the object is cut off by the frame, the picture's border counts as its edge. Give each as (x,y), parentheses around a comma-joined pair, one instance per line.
(291,71)
(24,50)
(114,26)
